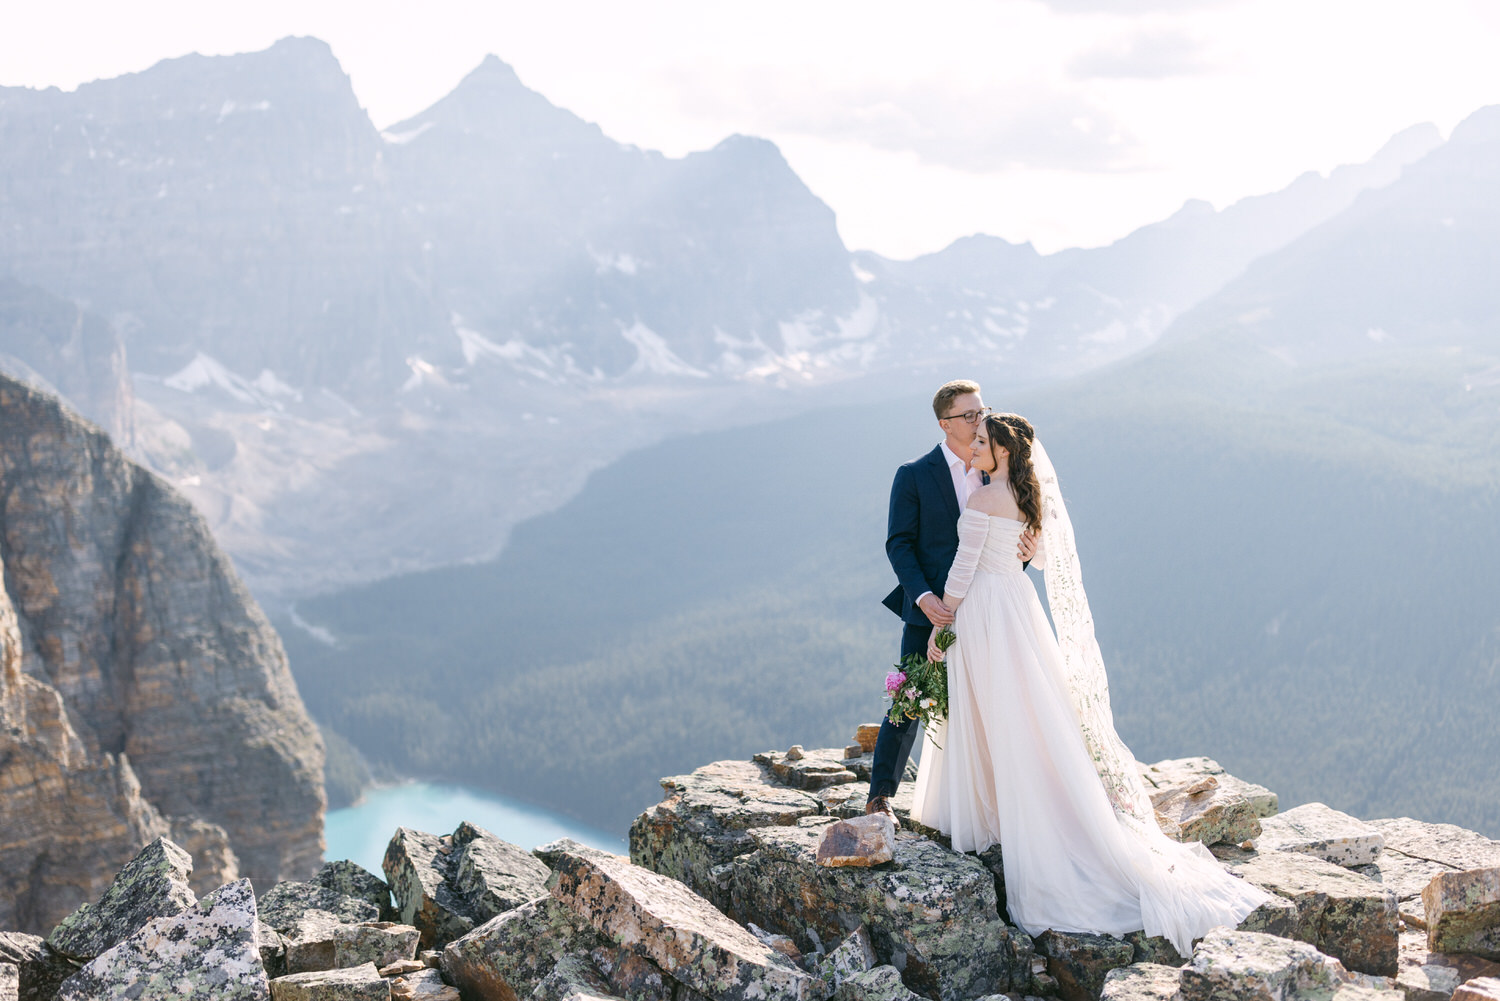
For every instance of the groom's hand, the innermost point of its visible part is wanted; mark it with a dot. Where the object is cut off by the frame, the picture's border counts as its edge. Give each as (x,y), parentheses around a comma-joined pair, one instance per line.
(937,613)
(1026,548)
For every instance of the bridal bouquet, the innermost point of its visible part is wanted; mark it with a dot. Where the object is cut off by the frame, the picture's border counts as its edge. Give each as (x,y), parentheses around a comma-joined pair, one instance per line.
(918,687)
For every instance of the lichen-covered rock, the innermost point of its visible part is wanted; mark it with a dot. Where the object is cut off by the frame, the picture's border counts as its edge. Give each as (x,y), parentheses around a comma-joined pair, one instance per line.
(1080,961)
(446,886)
(1463,912)
(633,976)
(862,841)
(574,977)
(10,982)
(1277,916)
(677,929)
(153,884)
(507,956)
(1247,966)
(932,913)
(705,820)
(883,983)
(272,949)
(207,953)
(353,880)
(285,904)
(361,983)
(1153,950)
(851,957)
(1425,975)
(1141,982)
(423,985)
(1346,915)
(42,970)
(1480,989)
(1206,809)
(549,853)
(378,942)
(1322,832)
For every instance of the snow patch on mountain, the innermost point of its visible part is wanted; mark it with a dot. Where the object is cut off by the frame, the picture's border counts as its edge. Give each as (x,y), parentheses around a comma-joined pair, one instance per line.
(653,354)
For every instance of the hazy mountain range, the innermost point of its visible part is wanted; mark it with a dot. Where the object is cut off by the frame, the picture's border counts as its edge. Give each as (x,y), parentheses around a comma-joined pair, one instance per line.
(363,352)
(1286,510)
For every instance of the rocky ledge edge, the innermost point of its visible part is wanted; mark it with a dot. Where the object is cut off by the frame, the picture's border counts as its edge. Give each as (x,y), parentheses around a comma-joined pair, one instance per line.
(723,898)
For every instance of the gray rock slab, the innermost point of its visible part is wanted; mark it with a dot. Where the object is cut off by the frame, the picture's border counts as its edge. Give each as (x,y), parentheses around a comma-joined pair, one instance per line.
(284,904)
(1445,844)
(361,983)
(1247,966)
(10,982)
(1186,772)
(311,943)
(209,952)
(42,969)
(1141,982)
(883,983)
(851,957)
(680,931)
(574,978)
(354,880)
(705,820)
(507,956)
(378,942)
(809,770)
(446,886)
(153,884)
(1346,915)
(931,911)
(1322,832)
(1479,989)
(1079,961)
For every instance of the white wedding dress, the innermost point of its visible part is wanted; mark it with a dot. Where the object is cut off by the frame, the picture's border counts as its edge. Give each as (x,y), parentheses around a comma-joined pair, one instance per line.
(1029,758)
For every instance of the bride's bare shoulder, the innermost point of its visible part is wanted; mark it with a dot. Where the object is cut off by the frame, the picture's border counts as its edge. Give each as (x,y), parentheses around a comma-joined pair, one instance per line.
(993,498)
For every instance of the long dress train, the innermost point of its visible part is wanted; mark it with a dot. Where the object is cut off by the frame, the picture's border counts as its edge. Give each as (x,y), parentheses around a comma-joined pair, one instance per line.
(1015,768)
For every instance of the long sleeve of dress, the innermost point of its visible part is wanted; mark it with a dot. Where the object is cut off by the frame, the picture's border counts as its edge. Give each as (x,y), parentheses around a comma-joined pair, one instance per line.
(973,527)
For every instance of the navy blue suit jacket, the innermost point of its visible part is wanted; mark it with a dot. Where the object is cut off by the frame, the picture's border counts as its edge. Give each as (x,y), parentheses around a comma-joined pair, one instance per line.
(922,533)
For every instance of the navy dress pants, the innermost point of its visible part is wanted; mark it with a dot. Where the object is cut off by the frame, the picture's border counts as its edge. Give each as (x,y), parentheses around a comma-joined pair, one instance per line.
(893,746)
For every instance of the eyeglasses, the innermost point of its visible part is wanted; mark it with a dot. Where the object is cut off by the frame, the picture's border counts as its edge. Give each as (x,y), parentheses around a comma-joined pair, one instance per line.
(969,416)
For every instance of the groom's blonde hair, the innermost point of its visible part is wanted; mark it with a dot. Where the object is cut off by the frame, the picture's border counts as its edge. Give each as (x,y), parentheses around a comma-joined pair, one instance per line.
(950,391)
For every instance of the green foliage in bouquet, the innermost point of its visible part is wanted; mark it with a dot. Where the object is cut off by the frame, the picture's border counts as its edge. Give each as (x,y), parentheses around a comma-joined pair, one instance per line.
(918,687)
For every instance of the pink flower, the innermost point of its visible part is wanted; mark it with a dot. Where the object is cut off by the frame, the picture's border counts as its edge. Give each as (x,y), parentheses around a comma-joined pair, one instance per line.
(894,681)
(911,692)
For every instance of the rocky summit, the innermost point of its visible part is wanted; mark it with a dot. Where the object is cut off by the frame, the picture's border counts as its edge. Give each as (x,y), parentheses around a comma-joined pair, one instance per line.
(143,694)
(726,897)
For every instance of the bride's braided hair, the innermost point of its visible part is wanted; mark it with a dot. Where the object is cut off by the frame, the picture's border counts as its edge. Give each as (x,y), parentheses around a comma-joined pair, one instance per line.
(1016,433)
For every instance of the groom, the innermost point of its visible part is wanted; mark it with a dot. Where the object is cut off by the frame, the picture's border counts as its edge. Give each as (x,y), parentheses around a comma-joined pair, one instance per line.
(922,538)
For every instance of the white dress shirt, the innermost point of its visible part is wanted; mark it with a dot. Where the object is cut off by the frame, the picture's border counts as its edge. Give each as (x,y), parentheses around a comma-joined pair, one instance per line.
(965,482)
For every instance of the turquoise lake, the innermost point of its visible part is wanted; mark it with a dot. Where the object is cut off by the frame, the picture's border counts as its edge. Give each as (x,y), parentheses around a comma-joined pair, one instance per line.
(361,832)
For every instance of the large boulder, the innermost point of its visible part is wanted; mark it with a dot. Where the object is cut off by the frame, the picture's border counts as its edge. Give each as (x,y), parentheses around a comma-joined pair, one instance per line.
(1141,982)
(1322,832)
(447,886)
(706,818)
(677,929)
(1080,961)
(574,978)
(1196,800)
(1246,966)
(851,957)
(353,880)
(207,953)
(286,904)
(1345,914)
(378,942)
(1463,912)
(151,885)
(41,969)
(931,913)
(1426,975)
(362,983)
(506,957)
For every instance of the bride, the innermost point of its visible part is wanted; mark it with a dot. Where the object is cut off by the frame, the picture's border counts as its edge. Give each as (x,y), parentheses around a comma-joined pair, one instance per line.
(1029,757)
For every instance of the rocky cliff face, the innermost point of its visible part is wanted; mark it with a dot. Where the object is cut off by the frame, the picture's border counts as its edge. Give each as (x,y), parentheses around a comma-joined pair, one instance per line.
(143,692)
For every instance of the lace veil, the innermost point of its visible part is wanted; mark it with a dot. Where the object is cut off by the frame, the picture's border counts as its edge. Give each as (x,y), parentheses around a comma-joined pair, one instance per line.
(1087,682)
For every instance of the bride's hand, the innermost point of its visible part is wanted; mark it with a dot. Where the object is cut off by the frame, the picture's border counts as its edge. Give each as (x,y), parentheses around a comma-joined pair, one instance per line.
(933,653)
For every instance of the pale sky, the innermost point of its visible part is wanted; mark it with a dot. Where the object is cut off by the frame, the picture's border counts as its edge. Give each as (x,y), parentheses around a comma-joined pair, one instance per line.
(1062,122)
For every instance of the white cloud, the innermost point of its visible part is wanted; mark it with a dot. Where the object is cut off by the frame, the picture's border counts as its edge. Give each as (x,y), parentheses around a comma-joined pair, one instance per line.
(1145,55)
